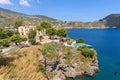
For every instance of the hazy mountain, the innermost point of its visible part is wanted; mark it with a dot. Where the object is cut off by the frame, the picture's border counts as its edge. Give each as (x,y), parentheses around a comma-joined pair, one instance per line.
(112,20)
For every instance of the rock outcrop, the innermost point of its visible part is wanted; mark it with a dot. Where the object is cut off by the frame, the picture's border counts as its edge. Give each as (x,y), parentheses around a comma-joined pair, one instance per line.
(63,70)
(62,62)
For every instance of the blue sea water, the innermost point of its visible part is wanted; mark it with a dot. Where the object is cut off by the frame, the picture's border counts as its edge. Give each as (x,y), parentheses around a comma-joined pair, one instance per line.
(107,44)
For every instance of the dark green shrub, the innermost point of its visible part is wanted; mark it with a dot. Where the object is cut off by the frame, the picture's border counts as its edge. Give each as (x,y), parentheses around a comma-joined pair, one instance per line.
(87,52)
(41,68)
(32,41)
(31,34)
(5,43)
(81,40)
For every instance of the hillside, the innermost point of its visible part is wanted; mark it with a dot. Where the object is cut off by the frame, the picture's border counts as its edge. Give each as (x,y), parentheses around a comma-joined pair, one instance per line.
(112,20)
(50,61)
(75,24)
(8,18)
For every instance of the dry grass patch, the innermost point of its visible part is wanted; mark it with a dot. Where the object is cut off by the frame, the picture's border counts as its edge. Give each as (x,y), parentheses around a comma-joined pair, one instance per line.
(22,65)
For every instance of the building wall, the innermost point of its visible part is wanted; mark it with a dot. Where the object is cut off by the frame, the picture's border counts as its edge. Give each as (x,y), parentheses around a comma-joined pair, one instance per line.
(23,30)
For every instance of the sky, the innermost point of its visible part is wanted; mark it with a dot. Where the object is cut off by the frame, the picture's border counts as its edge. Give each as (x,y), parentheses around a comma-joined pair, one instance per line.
(66,10)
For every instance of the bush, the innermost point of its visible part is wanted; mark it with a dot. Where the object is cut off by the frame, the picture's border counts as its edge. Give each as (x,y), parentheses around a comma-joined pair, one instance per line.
(41,68)
(32,41)
(31,34)
(62,32)
(81,40)
(40,37)
(49,50)
(5,43)
(69,41)
(87,52)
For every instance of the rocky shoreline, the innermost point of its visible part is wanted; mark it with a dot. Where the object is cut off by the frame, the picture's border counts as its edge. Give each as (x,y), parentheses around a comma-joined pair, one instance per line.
(59,70)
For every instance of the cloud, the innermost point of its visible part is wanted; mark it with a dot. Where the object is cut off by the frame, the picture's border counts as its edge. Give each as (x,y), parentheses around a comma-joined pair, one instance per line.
(24,3)
(5,2)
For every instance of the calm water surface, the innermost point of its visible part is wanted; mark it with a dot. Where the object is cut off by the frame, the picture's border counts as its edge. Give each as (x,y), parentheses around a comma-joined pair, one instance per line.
(107,44)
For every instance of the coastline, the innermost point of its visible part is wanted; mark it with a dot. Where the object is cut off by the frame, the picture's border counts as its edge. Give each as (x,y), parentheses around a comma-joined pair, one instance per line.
(90,27)
(70,65)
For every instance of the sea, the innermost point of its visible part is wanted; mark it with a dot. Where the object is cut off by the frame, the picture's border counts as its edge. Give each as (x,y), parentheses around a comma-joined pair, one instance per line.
(107,44)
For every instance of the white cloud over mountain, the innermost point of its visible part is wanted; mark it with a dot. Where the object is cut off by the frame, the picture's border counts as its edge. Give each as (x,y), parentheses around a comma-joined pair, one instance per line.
(5,2)
(24,3)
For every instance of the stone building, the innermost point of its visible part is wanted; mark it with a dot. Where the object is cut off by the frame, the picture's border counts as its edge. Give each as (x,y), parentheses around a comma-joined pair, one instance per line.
(23,30)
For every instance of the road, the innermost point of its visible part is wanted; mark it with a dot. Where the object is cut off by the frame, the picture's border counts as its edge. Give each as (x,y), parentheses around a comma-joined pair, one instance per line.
(8,50)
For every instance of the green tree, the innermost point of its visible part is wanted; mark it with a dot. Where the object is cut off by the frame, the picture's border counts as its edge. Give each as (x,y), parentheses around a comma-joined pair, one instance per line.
(23,38)
(1,42)
(51,31)
(40,37)
(5,43)
(81,40)
(9,33)
(39,28)
(31,37)
(16,33)
(62,32)
(1,29)
(31,34)
(3,35)
(45,25)
(16,39)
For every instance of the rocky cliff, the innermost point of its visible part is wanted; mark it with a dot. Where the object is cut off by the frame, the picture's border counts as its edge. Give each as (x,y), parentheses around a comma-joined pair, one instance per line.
(69,64)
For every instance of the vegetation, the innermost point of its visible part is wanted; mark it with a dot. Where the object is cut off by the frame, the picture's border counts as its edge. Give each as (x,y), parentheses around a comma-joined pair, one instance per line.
(62,32)
(69,41)
(3,34)
(76,24)
(4,37)
(4,43)
(32,41)
(24,65)
(50,51)
(87,52)
(39,28)
(32,34)
(31,58)
(40,37)
(31,37)
(51,31)
(45,25)
(81,40)
(18,39)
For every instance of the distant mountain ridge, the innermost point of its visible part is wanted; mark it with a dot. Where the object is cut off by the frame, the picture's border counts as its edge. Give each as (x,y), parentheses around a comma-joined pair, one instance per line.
(8,18)
(112,20)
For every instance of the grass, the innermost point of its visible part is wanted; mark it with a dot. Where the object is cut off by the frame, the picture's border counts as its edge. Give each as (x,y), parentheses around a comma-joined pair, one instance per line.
(22,66)
(26,64)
